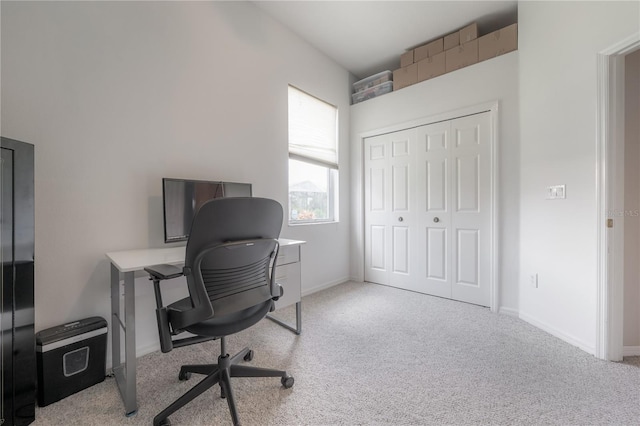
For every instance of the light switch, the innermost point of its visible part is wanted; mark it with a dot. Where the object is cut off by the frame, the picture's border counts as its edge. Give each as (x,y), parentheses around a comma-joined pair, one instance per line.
(556,191)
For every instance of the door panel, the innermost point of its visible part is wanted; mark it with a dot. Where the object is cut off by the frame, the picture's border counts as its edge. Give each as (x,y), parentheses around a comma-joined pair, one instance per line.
(471,220)
(401,188)
(401,220)
(433,247)
(437,254)
(468,184)
(467,257)
(400,250)
(377,202)
(378,248)
(388,202)
(376,189)
(437,177)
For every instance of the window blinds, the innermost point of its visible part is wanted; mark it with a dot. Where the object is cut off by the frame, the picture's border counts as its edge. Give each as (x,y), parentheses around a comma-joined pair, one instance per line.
(312,129)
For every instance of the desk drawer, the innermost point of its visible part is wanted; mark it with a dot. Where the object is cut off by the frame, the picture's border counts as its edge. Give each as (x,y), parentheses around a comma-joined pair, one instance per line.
(288,276)
(288,254)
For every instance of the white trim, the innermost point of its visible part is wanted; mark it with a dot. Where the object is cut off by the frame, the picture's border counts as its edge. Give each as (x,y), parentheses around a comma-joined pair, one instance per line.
(631,351)
(494,287)
(325,286)
(609,291)
(493,108)
(509,312)
(445,116)
(557,333)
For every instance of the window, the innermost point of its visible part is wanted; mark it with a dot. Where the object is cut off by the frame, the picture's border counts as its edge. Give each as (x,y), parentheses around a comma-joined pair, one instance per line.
(313,159)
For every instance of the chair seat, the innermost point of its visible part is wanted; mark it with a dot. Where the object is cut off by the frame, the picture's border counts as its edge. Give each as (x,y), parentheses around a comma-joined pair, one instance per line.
(227,324)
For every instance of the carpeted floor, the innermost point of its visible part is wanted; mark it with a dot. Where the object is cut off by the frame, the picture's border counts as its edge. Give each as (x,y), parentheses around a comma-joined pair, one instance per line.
(375,355)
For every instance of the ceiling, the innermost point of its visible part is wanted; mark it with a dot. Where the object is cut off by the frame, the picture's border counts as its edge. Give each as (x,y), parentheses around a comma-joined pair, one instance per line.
(367,37)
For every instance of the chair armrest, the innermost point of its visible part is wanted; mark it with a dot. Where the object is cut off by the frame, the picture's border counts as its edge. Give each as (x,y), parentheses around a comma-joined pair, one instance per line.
(164,271)
(160,273)
(279,292)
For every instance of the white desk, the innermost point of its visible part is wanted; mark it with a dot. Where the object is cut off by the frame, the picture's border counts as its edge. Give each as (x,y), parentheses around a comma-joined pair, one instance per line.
(129,261)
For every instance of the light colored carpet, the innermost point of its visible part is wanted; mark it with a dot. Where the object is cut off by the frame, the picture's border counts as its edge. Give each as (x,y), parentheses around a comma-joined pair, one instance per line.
(375,355)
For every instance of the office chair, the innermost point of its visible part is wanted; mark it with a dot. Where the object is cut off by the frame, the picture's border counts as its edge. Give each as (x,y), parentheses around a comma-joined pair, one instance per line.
(230,269)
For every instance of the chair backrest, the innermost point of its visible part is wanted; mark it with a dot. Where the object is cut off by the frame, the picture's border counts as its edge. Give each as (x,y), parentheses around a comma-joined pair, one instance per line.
(230,255)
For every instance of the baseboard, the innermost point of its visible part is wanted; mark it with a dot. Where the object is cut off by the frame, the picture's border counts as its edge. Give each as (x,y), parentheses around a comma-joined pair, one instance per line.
(557,333)
(324,286)
(631,351)
(509,312)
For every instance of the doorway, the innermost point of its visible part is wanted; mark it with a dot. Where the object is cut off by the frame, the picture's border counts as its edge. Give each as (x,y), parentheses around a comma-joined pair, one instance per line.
(611,122)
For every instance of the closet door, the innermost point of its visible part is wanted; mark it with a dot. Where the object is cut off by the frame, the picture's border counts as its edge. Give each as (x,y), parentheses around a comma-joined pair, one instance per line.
(434,203)
(428,208)
(471,232)
(389,209)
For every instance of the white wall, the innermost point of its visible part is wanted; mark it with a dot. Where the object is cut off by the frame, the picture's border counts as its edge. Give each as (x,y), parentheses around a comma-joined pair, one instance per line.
(492,80)
(631,335)
(117,95)
(558,45)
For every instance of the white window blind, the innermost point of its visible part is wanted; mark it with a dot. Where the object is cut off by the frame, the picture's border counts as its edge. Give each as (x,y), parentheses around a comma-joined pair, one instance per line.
(312,129)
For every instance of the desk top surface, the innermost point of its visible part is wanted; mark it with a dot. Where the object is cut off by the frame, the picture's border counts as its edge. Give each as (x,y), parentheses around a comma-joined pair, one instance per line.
(136,260)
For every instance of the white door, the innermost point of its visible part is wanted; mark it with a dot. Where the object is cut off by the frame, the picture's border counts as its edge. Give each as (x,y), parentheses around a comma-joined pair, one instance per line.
(434,204)
(388,205)
(471,232)
(446,226)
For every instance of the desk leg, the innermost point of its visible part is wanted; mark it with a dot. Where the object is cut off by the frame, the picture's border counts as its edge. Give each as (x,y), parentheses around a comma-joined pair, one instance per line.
(298,327)
(125,373)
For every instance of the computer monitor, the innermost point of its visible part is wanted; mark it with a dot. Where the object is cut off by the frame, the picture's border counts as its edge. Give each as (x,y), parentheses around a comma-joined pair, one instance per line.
(182,198)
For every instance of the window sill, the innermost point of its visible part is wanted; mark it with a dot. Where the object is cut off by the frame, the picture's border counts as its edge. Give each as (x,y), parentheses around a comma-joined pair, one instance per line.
(327,222)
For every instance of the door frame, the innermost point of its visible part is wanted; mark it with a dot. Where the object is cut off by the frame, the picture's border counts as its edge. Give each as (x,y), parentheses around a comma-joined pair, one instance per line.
(610,198)
(493,108)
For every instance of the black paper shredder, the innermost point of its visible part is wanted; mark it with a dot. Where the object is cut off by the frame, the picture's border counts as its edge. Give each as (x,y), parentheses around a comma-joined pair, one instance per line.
(71,357)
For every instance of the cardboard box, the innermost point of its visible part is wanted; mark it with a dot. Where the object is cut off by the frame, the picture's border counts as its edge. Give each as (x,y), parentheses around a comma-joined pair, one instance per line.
(498,42)
(462,56)
(406,59)
(432,67)
(405,76)
(468,33)
(452,40)
(427,50)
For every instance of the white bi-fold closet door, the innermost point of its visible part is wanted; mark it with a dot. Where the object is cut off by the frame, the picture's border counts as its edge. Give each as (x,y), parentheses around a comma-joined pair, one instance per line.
(428,201)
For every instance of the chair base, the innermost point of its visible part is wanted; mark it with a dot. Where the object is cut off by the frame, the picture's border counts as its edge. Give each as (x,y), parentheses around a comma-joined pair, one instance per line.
(220,373)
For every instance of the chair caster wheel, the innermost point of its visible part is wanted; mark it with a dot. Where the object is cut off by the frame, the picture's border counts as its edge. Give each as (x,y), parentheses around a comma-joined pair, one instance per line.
(222,394)
(165,422)
(287,381)
(248,356)
(184,375)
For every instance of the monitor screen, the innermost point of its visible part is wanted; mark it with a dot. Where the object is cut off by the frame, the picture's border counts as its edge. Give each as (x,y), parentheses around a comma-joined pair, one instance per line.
(181,199)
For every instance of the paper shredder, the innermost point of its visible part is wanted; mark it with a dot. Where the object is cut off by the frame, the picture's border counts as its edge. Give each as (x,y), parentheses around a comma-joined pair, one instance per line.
(70,357)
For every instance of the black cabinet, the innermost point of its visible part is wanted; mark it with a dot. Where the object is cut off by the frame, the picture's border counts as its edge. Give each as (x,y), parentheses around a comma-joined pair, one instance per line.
(17,340)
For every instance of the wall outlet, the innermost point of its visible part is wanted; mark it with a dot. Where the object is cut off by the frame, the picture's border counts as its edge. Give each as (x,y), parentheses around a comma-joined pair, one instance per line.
(533,280)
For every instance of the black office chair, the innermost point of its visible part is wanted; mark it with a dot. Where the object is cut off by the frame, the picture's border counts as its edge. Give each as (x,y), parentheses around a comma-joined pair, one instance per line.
(230,270)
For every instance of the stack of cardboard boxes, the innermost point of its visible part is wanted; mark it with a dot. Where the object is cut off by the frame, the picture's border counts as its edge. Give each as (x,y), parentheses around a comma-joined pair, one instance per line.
(451,52)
